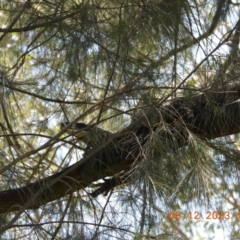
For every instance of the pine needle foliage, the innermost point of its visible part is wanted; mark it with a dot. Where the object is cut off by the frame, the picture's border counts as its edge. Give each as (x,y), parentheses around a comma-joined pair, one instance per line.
(158,79)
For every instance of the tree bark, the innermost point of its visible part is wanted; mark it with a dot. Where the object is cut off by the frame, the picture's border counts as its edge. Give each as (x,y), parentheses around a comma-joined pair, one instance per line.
(212,114)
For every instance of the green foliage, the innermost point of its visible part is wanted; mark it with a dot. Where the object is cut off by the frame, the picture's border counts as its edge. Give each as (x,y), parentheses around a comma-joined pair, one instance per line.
(105,63)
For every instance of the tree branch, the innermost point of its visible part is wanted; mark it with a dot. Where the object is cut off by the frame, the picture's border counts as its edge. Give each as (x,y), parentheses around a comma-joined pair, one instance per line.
(215,113)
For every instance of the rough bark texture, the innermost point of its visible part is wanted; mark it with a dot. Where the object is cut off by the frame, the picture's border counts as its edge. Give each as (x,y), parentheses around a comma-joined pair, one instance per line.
(212,114)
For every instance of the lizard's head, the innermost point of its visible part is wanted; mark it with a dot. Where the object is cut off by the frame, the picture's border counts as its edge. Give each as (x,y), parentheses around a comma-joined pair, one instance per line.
(81,131)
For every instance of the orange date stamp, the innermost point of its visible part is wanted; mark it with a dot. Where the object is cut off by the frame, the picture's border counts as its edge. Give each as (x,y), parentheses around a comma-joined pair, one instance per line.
(209,215)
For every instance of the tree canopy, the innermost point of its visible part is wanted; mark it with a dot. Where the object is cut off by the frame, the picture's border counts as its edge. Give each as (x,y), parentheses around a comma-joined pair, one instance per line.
(161,78)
